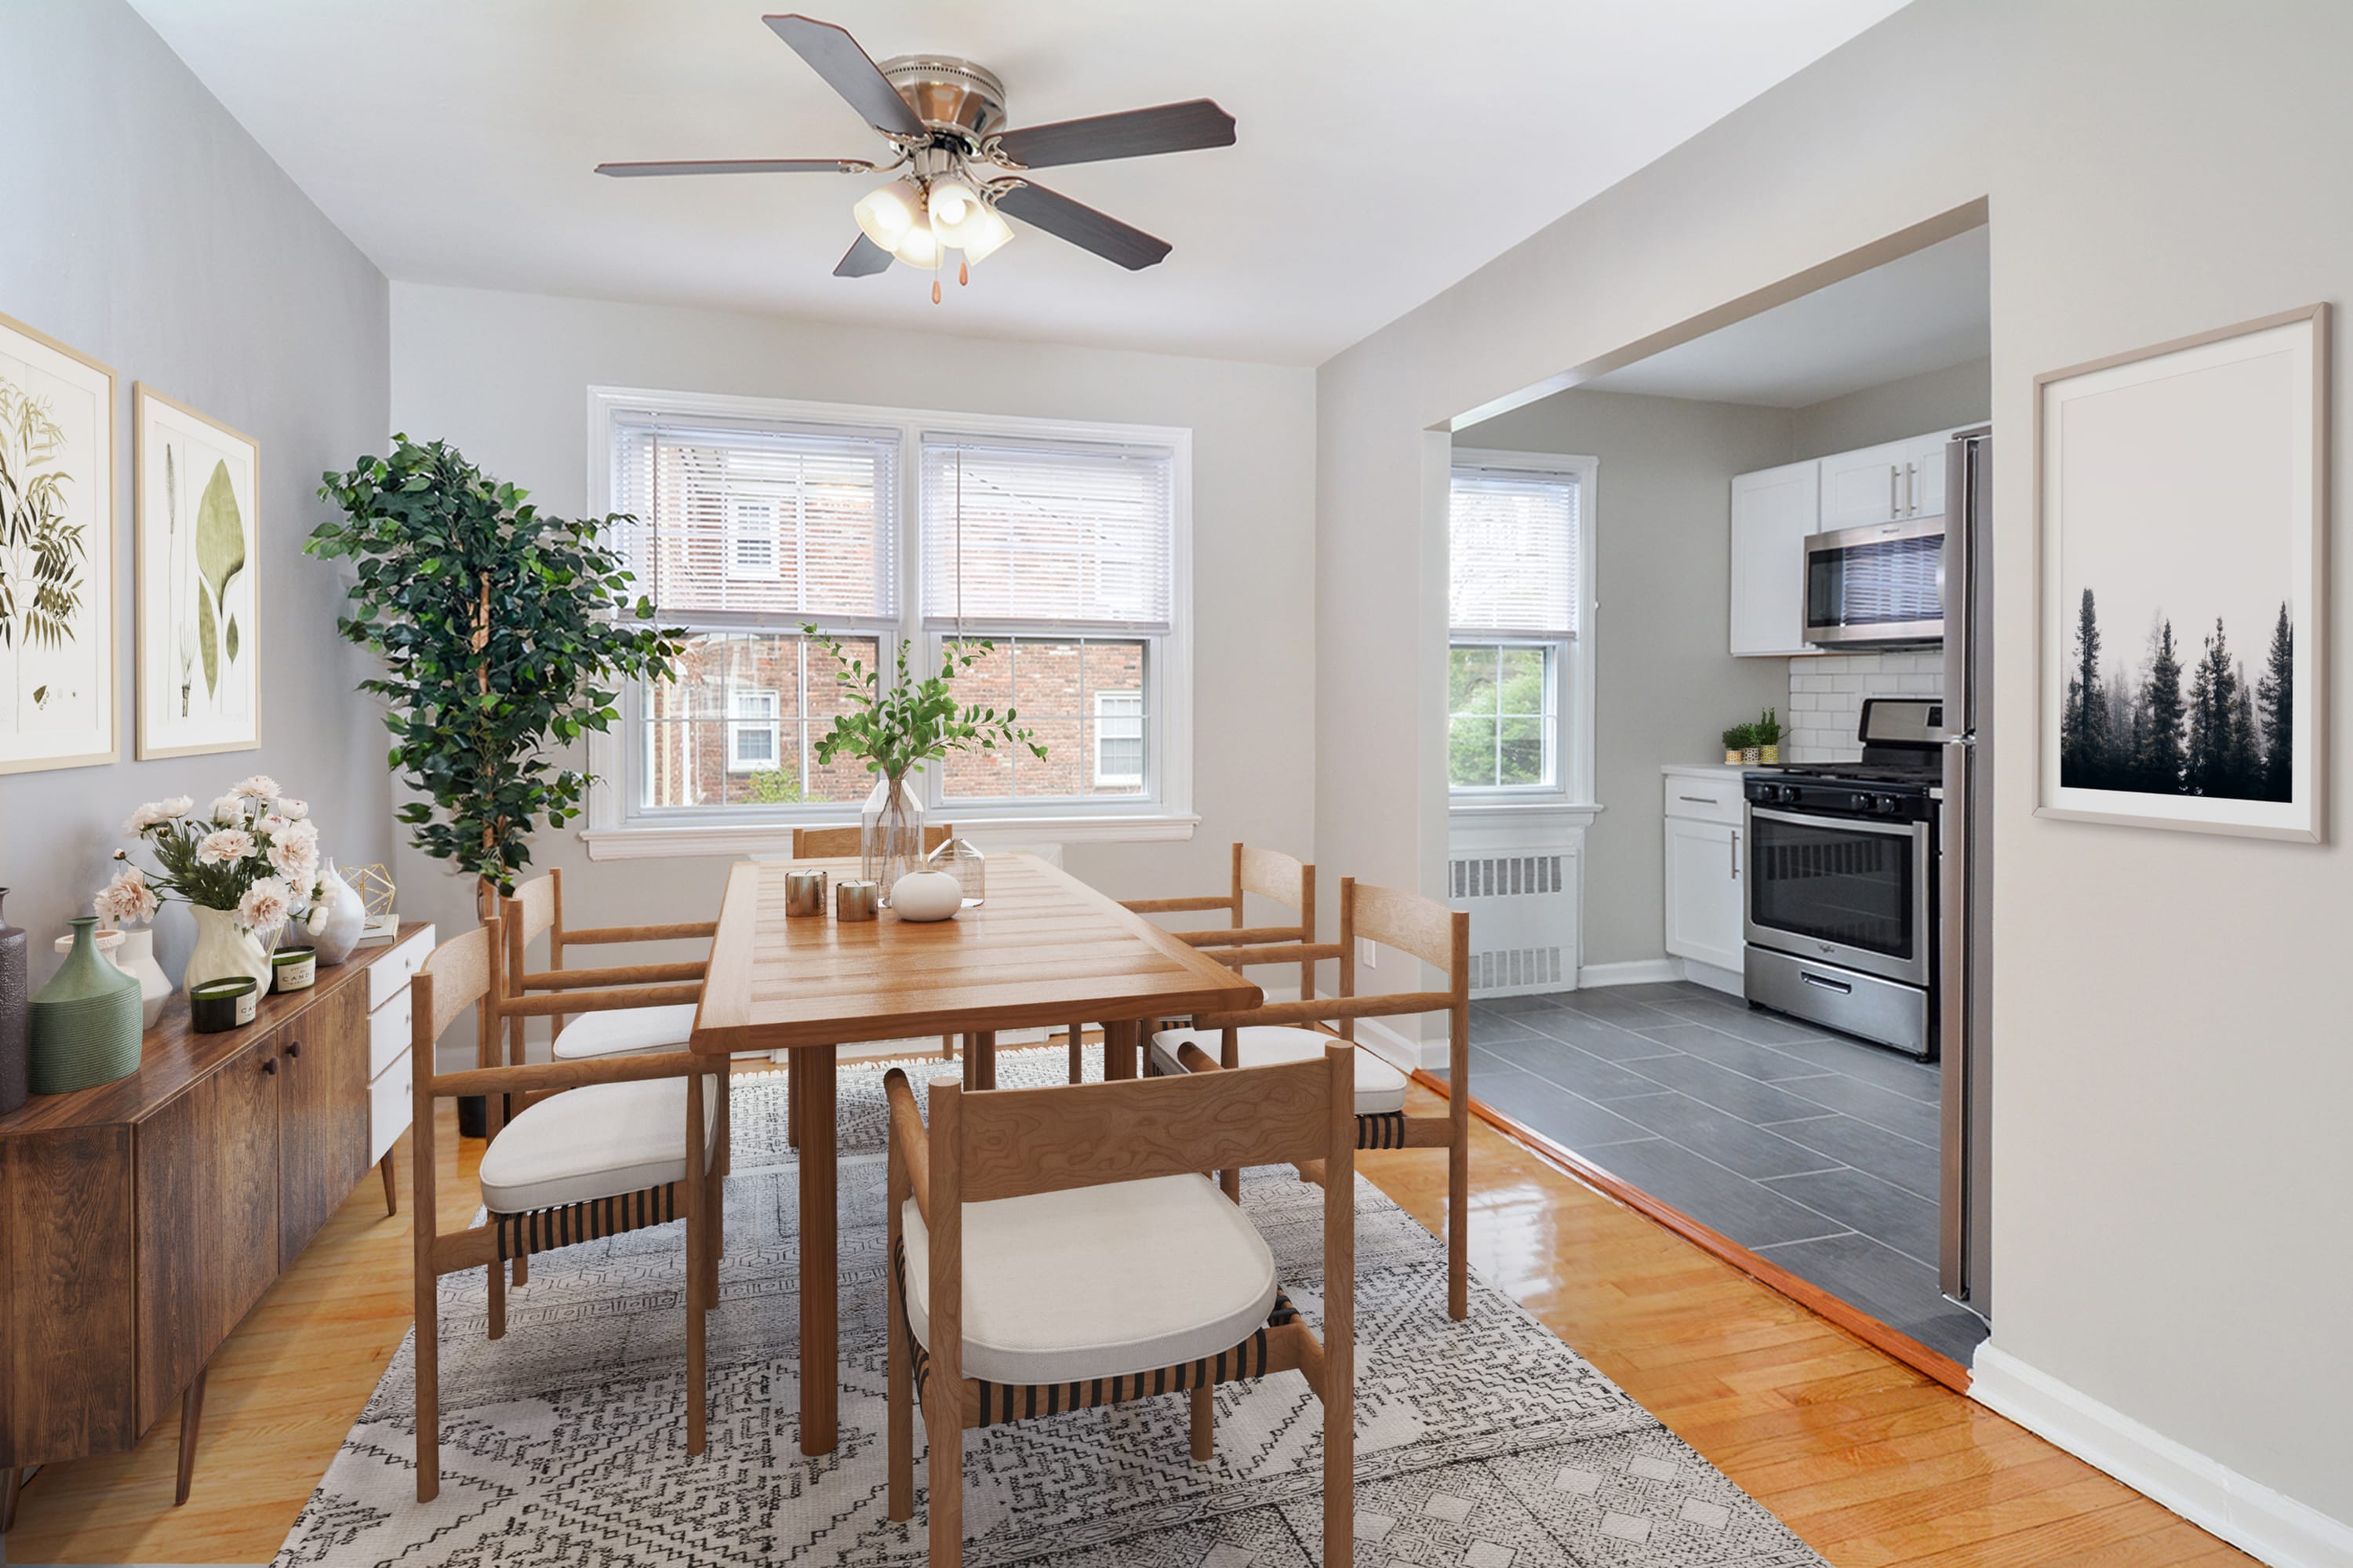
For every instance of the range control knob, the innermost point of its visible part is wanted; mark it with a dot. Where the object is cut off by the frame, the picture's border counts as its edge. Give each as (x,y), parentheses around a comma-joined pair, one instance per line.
(1884,805)
(1859,802)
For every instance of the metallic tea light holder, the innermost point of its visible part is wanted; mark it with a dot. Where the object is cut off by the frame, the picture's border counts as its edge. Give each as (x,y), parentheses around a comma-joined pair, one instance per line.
(804,894)
(856,900)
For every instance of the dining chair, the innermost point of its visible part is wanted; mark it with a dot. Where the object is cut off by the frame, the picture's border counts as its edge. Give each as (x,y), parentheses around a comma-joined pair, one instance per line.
(536,908)
(1269,874)
(1058,1249)
(1407,923)
(840,843)
(610,1145)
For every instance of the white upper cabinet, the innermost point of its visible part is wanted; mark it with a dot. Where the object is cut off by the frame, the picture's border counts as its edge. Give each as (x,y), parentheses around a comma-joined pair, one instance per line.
(1864,487)
(1773,511)
(1923,480)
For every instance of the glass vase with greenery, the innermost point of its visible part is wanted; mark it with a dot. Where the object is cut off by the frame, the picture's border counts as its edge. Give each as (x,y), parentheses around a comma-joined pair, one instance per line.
(505,633)
(897,728)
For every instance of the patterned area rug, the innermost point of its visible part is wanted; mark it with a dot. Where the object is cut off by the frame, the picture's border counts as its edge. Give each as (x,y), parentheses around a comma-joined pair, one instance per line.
(1487,1442)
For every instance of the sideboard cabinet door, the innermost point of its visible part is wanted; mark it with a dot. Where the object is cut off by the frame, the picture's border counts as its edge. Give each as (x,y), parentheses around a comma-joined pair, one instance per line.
(65,1295)
(323,1116)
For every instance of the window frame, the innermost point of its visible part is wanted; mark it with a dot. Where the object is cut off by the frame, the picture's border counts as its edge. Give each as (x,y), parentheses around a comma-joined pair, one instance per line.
(738,723)
(618,827)
(1143,708)
(1569,683)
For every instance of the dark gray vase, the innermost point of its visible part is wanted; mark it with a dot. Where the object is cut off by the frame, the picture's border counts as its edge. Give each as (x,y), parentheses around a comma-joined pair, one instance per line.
(15,1014)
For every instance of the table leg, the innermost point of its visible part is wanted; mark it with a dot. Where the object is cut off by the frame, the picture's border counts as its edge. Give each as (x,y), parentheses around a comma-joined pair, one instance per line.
(1120,1040)
(820,1372)
(982,1046)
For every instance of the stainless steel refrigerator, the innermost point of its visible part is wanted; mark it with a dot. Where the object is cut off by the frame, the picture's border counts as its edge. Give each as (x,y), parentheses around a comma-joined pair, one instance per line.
(1965,877)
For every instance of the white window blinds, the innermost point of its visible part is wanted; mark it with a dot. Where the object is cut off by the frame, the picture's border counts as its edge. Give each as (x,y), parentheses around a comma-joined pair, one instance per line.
(1047,537)
(759,519)
(1514,540)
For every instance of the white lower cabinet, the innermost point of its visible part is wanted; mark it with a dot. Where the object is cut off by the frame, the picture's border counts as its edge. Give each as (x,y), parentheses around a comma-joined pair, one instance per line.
(1704,880)
(391,1104)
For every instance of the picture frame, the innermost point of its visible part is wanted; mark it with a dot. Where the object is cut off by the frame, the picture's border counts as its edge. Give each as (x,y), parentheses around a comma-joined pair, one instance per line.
(197,501)
(57,555)
(2181,544)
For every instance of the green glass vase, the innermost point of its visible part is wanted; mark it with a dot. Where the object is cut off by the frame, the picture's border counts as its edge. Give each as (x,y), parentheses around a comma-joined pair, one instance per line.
(85,1021)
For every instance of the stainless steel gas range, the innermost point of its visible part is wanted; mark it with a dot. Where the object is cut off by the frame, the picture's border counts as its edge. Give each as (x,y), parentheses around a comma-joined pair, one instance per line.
(1841,920)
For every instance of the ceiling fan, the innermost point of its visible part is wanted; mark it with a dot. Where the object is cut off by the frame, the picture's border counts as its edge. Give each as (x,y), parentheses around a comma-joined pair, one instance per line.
(944,116)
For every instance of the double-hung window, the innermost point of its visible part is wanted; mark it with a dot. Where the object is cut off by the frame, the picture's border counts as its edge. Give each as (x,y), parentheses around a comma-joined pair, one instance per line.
(1062,545)
(1518,677)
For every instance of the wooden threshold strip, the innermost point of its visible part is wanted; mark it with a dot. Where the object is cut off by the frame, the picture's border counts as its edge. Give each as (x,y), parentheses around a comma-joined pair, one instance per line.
(1840,1314)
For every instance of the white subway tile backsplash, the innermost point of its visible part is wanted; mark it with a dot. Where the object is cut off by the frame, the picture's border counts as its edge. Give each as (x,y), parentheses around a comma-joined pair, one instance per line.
(1827,693)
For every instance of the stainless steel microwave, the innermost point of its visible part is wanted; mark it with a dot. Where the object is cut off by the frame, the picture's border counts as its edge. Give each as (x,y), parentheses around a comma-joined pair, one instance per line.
(1881,583)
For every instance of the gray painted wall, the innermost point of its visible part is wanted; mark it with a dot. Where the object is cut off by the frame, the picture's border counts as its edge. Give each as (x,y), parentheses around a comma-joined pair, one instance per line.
(2170,1163)
(144,227)
(1663,687)
(1944,399)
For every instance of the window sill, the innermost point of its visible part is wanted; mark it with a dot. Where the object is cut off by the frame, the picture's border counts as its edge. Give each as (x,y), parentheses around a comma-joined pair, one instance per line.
(734,838)
(1580,813)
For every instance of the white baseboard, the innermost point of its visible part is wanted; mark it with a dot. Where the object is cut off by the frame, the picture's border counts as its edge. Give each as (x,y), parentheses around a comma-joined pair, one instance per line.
(1397,1049)
(1636,971)
(2267,1524)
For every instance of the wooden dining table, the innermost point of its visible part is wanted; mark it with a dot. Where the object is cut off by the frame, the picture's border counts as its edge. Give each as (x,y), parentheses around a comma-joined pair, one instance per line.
(1043,949)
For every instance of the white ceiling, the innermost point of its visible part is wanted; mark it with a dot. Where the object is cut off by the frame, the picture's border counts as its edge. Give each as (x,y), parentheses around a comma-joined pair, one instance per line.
(452,140)
(1917,313)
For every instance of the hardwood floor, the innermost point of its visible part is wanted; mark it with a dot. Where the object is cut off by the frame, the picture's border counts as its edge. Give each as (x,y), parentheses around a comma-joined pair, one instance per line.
(1870,1462)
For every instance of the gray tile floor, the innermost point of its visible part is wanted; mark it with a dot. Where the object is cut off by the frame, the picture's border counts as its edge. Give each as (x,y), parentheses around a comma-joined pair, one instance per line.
(1816,1151)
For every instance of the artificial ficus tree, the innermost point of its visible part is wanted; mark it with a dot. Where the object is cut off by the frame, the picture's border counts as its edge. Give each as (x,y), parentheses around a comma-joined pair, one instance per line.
(505,633)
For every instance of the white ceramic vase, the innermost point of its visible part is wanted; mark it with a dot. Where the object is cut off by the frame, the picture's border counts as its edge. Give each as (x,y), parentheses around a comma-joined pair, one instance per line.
(337,920)
(136,958)
(224,948)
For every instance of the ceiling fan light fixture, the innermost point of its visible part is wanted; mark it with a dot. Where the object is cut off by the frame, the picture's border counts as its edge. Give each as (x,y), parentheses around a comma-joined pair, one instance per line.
(918,246)
(951,202)
(982,234)
(886,213)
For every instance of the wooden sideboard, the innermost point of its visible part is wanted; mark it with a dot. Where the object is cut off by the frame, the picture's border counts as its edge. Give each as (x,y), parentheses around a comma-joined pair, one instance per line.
(141,1219)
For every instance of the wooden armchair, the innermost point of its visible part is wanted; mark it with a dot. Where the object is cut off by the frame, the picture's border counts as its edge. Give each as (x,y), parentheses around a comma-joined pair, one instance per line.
(1056,1249)
(536,908)
(628,1143)
(1292,1031)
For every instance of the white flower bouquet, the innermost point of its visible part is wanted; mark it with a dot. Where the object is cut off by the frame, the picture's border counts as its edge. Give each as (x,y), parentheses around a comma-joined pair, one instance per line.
(255,855)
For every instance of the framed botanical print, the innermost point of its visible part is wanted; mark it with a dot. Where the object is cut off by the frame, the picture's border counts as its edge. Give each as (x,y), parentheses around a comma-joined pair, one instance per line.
(57,555)
(2181,497)
(199,534)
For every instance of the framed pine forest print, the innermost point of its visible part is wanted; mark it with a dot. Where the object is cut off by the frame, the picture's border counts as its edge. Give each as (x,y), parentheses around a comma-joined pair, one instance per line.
(199,533)
(57,555)
(2181,498)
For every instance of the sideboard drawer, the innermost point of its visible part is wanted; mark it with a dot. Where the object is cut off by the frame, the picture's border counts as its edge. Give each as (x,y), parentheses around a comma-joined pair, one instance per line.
(388,976)
(387,1033)
(391,1106)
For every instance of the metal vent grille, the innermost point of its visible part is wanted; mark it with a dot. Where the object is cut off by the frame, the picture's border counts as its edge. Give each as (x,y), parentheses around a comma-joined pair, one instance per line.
(1504,875)
(1517,968)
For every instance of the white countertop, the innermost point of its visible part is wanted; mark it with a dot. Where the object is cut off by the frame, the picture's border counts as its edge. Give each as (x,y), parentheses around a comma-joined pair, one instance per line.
(1708,770)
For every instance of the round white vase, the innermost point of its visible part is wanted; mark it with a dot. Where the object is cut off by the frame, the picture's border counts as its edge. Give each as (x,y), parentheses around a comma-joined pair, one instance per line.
(927,896)
(337,920)
(136,958)
(224,949)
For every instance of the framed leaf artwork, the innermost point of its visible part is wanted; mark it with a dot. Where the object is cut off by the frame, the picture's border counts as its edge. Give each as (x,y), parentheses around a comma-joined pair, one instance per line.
(198,498)
(57,555)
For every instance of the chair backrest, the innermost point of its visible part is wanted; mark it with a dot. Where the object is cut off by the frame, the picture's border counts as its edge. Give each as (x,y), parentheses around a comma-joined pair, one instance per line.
(459,973)
(535,905)
(1271,874)
(838,843)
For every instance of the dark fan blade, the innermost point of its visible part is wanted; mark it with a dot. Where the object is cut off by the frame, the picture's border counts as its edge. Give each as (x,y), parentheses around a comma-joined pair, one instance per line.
(863,260)
(1138,133)
(741,166)
(848,69)
(1082,226)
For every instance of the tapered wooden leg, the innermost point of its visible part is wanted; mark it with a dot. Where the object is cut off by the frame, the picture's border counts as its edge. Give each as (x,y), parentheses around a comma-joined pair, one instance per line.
(12,1484)
(1078,1055)
(946,1438)
(1204,1423)
(820,1270)
(900,1417)
(947,1047)
(192,1417)
(1119,1050)
(983,1047)
(793,1103)
(1457,1221)
(698,1218)
(715,1227)
(521,1269)
(498,1273)
(391,1184)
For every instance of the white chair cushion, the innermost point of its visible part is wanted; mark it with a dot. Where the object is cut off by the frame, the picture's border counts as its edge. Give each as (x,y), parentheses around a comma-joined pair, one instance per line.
(599,1140)
(1099,1281)
(1380,1088)
(626,1031)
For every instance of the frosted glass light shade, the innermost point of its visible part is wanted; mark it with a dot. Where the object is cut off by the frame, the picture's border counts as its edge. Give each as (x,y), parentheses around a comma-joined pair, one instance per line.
(981,234)
(919,247)
(885,212)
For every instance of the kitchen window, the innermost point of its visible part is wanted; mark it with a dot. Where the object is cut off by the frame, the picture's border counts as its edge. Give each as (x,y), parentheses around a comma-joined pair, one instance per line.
(1519,678)
(1066,546)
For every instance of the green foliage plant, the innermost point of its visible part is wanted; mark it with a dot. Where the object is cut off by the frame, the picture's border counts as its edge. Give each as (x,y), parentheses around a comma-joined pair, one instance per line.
(1740,737)
(897,728)
(505,633)
(1767,729)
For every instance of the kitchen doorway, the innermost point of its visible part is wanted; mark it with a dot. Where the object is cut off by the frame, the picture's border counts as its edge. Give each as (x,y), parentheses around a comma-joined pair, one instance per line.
(1768,1032)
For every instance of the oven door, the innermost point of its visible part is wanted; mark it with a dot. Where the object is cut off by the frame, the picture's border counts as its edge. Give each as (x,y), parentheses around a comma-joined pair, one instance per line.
(1881,583)
(1842,890)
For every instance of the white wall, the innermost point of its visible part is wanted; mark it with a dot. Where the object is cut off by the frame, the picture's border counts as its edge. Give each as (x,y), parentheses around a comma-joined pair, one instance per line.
(505,377)
(1947,400)
(2171,1165)
(144,228)
(1664,686)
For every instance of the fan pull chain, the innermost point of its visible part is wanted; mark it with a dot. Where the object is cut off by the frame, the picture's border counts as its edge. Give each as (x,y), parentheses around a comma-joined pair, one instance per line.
(963,274)
(935,291)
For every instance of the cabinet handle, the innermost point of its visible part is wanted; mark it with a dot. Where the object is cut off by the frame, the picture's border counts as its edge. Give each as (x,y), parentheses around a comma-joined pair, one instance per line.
(270,1066)
(1893,509)
(1911,490)
(1698,799)
(295,1049)
(1736,854)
